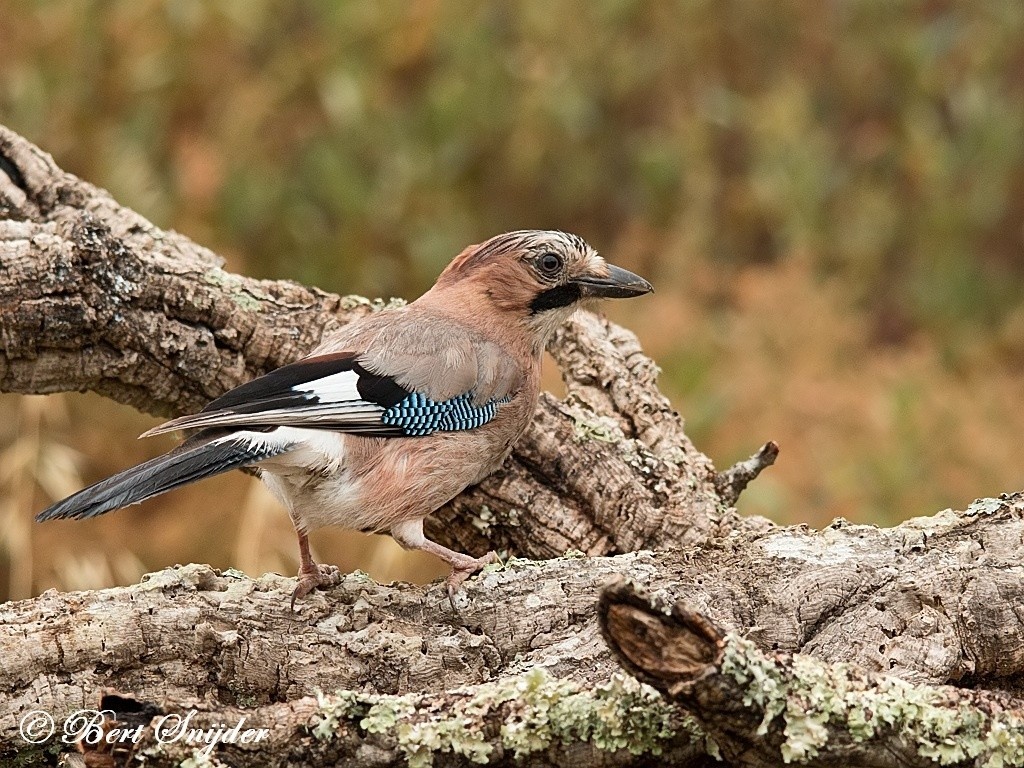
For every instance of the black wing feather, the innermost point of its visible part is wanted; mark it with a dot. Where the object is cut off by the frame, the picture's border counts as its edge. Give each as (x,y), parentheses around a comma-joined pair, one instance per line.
(283,398)
(196,459)
(279,383)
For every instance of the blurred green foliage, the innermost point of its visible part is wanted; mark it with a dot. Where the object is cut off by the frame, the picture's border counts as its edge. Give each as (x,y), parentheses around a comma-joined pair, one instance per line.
(829,196)
(358,145)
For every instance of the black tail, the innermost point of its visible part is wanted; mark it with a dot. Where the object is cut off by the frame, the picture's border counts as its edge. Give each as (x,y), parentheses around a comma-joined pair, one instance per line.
(197,458)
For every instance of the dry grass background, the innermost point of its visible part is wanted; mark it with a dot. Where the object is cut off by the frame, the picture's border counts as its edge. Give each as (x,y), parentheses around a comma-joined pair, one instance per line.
(829,198)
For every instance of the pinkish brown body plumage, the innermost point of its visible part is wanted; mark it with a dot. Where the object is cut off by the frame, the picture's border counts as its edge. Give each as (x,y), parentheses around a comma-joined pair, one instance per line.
(395,414)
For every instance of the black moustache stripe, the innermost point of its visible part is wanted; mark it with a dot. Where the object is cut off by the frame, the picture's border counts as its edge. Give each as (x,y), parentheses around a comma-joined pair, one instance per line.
(552,298)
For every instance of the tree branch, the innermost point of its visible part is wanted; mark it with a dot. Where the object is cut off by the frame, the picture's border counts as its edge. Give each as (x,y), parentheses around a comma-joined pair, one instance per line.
(933,600)
(762,709)
(94,297)
(530,719)
(60,651)
(731,483)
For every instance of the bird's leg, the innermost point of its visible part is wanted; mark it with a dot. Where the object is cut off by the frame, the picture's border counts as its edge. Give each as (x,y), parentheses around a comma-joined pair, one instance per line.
(409,535)
(311,575)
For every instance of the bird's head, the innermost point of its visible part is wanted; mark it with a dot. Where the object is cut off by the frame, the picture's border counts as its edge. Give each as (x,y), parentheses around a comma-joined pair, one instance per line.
(537,278)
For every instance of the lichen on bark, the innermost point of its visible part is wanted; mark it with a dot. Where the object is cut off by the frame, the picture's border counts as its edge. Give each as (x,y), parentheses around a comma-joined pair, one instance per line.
(534,712)
(94,297)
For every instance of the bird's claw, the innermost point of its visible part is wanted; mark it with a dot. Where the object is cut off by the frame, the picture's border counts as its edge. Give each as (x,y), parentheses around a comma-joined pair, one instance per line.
(310,579)
(464,570)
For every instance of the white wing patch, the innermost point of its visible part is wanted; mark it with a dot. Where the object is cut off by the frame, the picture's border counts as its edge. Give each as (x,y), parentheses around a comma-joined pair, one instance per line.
(330,402)
(336,388)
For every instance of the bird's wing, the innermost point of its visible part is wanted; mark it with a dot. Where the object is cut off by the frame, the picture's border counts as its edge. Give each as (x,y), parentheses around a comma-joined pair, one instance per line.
(413,383)
(430,354)
(331,391)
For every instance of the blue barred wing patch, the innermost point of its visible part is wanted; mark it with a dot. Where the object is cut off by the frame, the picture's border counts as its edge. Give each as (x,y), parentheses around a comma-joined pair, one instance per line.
(417,414)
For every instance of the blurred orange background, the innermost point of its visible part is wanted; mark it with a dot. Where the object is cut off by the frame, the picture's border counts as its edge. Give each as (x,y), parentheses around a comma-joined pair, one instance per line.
(828,197)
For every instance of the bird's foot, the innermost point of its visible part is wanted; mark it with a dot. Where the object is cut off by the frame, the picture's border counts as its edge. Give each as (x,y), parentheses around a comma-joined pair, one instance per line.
(463,569)
(311,578)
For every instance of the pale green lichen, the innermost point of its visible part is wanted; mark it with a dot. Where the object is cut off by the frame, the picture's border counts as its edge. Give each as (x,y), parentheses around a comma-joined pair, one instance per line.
(483,519)
(375,305)
(217,276)
(524,563)
(240,291)
(486,518)
(602,430)
(814,698)
(674,455)
(697,735)
(393,303)
(536,709)
(200,759)
(620,714)
(245,300)
(498,565)
(521,563)
(985,507)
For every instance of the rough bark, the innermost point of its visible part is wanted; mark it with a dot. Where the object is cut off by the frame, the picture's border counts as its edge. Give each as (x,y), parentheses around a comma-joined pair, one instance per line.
(94,297)
(761,709)
(935,600)
(223,643)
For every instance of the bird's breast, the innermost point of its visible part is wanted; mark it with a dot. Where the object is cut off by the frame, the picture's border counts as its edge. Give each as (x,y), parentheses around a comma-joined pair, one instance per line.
(372,483)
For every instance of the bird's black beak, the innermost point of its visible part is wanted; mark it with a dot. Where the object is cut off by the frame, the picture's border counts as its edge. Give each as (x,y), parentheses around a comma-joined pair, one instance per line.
(619,284)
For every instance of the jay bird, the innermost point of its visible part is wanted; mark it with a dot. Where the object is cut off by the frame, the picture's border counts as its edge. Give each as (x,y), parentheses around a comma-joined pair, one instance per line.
(395,414)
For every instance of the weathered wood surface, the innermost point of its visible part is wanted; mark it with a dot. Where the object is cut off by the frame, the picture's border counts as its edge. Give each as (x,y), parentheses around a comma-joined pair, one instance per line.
(94,297)
(761,708)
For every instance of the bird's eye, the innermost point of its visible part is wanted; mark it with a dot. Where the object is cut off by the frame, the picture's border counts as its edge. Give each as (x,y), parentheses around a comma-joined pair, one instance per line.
(549,264)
